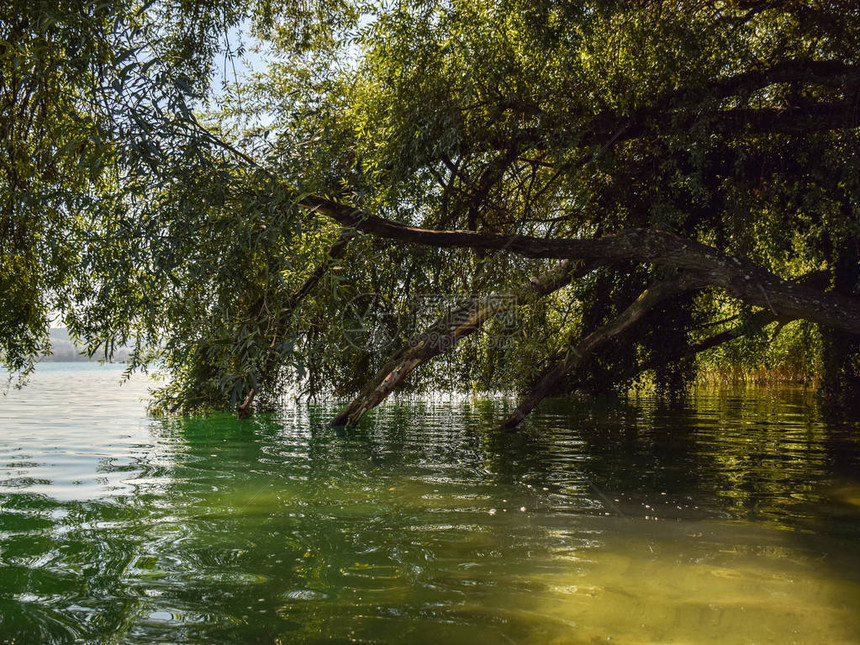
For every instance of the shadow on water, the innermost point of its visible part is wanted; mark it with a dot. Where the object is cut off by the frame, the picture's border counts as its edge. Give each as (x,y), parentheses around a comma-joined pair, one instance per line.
(733,518)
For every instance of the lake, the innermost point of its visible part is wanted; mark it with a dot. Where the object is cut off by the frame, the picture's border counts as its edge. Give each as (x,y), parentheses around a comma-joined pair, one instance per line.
(734,518)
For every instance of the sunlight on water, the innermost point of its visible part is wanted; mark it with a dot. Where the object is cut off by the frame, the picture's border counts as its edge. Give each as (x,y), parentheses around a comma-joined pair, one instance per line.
(735,519)
(73,432)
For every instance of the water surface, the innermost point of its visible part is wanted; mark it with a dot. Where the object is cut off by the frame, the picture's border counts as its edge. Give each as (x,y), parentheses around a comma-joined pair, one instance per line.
(732,519)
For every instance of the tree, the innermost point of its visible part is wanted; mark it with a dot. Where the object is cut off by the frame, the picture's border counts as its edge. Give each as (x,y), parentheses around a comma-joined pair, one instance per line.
(631,179)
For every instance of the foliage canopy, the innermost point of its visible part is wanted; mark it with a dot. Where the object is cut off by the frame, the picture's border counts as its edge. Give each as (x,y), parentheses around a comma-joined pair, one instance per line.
(701,157)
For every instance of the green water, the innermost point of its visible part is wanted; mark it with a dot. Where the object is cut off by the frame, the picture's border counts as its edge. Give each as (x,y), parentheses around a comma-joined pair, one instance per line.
(735,519)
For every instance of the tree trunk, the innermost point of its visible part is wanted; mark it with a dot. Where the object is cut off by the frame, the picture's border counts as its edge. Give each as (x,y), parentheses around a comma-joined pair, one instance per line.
(446,331)
(840,383)
(586,347)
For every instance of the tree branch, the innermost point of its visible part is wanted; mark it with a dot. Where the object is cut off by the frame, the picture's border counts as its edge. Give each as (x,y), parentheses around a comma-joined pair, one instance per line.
(551,379)
(739,277)
(336,251)
(446,332)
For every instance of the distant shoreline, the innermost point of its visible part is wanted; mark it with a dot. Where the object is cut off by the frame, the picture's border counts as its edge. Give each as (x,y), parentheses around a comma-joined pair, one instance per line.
(64,350)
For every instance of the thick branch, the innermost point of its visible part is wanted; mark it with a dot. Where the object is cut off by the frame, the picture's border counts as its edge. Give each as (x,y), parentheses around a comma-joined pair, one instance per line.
(829,73)
(656,121)
(740,277)
(660,114)
(686,107)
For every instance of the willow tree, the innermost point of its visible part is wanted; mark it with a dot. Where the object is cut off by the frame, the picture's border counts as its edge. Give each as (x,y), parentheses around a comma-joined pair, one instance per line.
(638,183)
